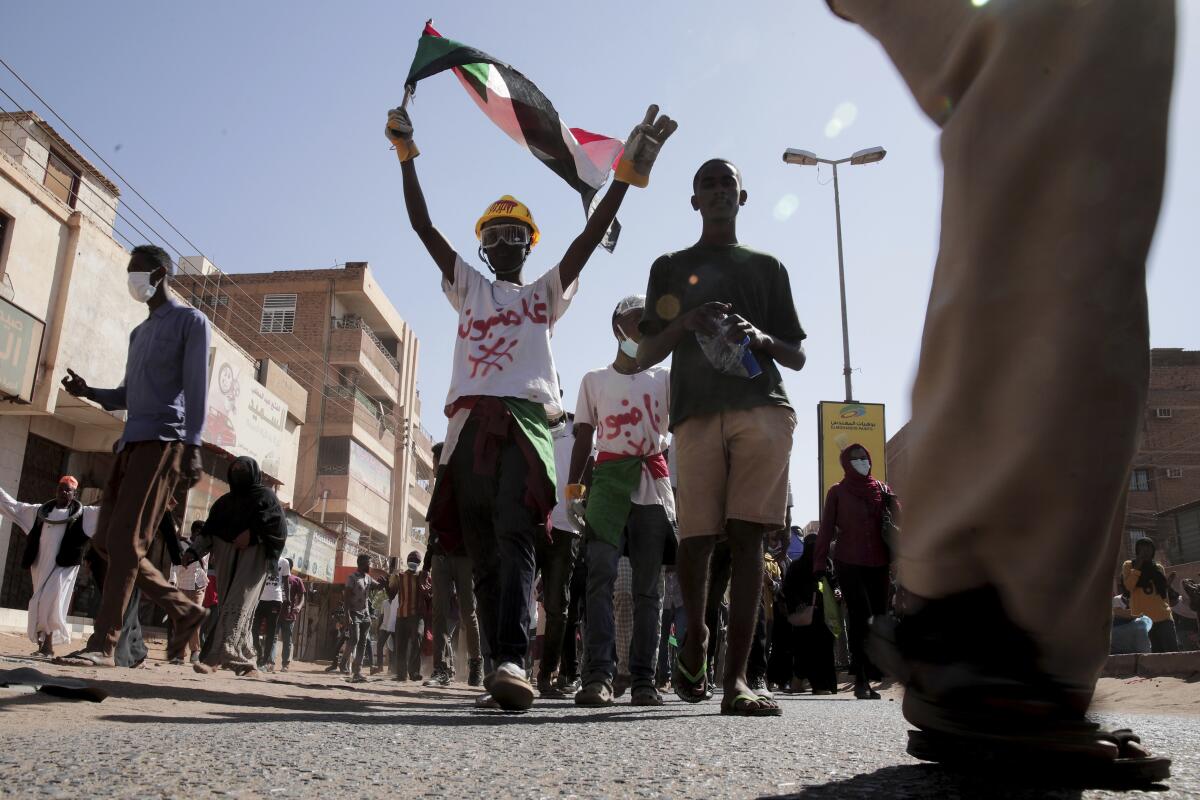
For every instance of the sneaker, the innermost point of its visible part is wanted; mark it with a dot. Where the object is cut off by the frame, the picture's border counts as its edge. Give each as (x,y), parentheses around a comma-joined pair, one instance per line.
(284,668)
(195,658)
(485,700)
(268,668)
(437,679)
(358,677)
(175,662)
(569,685)
(415,677)
(510,688)
(475,676)
(332,667)
(594,694)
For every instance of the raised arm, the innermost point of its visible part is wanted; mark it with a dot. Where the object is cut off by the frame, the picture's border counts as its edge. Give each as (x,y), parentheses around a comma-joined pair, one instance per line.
(399,132)
(641,149)
(23,515)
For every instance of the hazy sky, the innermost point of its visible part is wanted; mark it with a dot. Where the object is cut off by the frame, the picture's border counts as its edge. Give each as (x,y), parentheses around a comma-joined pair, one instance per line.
(257,129)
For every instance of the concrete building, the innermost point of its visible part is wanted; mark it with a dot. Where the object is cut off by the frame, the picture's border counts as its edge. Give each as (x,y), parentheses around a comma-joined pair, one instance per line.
(365,464)
(64,303)
(1166,470)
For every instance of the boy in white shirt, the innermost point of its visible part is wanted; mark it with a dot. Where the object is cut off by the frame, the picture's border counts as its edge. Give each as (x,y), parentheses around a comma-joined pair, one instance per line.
(623,414)
(497,480)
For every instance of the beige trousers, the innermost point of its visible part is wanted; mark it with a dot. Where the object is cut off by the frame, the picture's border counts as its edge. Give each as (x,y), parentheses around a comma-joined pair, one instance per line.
(1035,353)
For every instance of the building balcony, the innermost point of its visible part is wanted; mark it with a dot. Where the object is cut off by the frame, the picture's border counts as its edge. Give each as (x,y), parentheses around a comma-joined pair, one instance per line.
(423,447)
(346,415)
(419,499)
(352,344)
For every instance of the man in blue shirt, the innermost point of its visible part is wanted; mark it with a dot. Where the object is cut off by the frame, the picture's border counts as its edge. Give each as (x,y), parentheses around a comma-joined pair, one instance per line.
(164,393)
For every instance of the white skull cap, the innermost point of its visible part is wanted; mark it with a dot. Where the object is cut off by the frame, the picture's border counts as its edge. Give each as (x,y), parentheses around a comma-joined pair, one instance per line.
(633,301)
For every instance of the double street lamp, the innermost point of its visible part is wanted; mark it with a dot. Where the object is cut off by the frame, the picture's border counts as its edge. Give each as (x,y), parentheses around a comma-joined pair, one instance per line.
(806,158)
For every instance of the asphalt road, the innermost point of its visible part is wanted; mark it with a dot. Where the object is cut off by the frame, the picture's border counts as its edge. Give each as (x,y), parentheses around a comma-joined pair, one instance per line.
(165,732)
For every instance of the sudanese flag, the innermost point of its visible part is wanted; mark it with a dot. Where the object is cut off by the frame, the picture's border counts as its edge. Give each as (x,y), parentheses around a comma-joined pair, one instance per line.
(581,158)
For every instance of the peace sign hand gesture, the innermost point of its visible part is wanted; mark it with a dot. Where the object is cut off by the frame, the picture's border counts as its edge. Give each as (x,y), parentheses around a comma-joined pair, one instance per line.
(642,146)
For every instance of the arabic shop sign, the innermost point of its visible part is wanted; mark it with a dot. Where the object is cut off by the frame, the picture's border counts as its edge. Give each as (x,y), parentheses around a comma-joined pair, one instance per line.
(243,417)
(20,347)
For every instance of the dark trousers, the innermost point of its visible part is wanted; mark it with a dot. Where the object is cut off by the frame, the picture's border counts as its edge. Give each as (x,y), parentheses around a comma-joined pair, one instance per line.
(676,617)
(358,643)
(812,653)
(406,655)
(452,577)
(756,665)
(499,530)
(645,537)
(555,558)
(135,498)
(286,626)
(266,629)
(865,590)
(1163,638)
(576,614)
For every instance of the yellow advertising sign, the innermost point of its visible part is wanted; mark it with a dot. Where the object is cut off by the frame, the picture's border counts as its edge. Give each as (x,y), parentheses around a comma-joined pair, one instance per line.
(840,425)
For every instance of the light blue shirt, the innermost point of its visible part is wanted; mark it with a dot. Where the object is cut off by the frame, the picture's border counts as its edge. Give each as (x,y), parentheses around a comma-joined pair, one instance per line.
(165,389)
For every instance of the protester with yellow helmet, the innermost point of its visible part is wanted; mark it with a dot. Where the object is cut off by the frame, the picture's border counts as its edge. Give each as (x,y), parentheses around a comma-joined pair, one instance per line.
(497,485)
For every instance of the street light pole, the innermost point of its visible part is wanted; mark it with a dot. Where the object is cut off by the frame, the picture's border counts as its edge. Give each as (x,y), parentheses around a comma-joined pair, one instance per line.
(806,158)
(837,212)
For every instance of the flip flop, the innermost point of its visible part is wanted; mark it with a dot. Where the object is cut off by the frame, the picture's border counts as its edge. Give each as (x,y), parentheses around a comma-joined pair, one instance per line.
(746,704)
(1095,758)
(85,658)
(688,687)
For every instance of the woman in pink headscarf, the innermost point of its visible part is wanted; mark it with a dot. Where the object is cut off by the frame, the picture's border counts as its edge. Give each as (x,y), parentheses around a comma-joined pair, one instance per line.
(853,518)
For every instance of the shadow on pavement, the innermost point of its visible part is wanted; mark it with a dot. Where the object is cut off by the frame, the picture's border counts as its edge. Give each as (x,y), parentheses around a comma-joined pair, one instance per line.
(450,717)
(930,780)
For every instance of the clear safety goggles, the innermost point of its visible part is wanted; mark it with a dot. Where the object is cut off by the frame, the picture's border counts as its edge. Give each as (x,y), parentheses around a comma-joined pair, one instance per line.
(516,235)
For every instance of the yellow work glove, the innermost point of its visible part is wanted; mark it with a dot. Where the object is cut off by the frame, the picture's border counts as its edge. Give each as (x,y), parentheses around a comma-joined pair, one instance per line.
(642,146)
(576,499)
(399,131)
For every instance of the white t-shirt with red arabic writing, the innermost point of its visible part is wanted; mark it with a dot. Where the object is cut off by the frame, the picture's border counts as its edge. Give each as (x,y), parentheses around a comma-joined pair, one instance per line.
(502,348)
(629,413)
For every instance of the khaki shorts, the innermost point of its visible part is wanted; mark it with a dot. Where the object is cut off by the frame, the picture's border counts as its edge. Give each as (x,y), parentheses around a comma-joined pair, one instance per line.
(733,465)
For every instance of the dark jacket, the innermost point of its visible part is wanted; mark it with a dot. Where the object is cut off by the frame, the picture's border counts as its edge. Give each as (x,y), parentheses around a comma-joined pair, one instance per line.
(74,541)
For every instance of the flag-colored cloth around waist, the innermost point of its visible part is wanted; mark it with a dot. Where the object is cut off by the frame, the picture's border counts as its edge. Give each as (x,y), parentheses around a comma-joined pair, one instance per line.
(510,100)
(614,479)
(497,418)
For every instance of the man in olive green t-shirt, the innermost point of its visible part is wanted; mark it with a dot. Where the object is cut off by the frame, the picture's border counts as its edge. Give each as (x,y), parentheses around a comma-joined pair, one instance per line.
(733,428)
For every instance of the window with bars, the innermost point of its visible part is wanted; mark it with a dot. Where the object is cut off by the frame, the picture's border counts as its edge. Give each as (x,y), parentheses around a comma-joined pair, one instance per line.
(1174,472)
(278,313)
(1139,480)
(1162,413)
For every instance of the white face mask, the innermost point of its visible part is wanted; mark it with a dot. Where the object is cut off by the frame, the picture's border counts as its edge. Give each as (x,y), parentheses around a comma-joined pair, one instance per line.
(413,566)
(861,465)
(141,288)
(629,347)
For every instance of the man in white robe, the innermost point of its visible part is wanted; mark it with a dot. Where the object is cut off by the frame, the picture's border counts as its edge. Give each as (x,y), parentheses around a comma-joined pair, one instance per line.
(58,532)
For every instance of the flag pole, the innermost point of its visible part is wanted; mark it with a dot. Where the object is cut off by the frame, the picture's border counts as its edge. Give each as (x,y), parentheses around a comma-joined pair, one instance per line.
(408,90)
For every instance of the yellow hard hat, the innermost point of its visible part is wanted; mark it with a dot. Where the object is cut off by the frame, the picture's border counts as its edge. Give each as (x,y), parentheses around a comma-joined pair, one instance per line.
(508,207)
